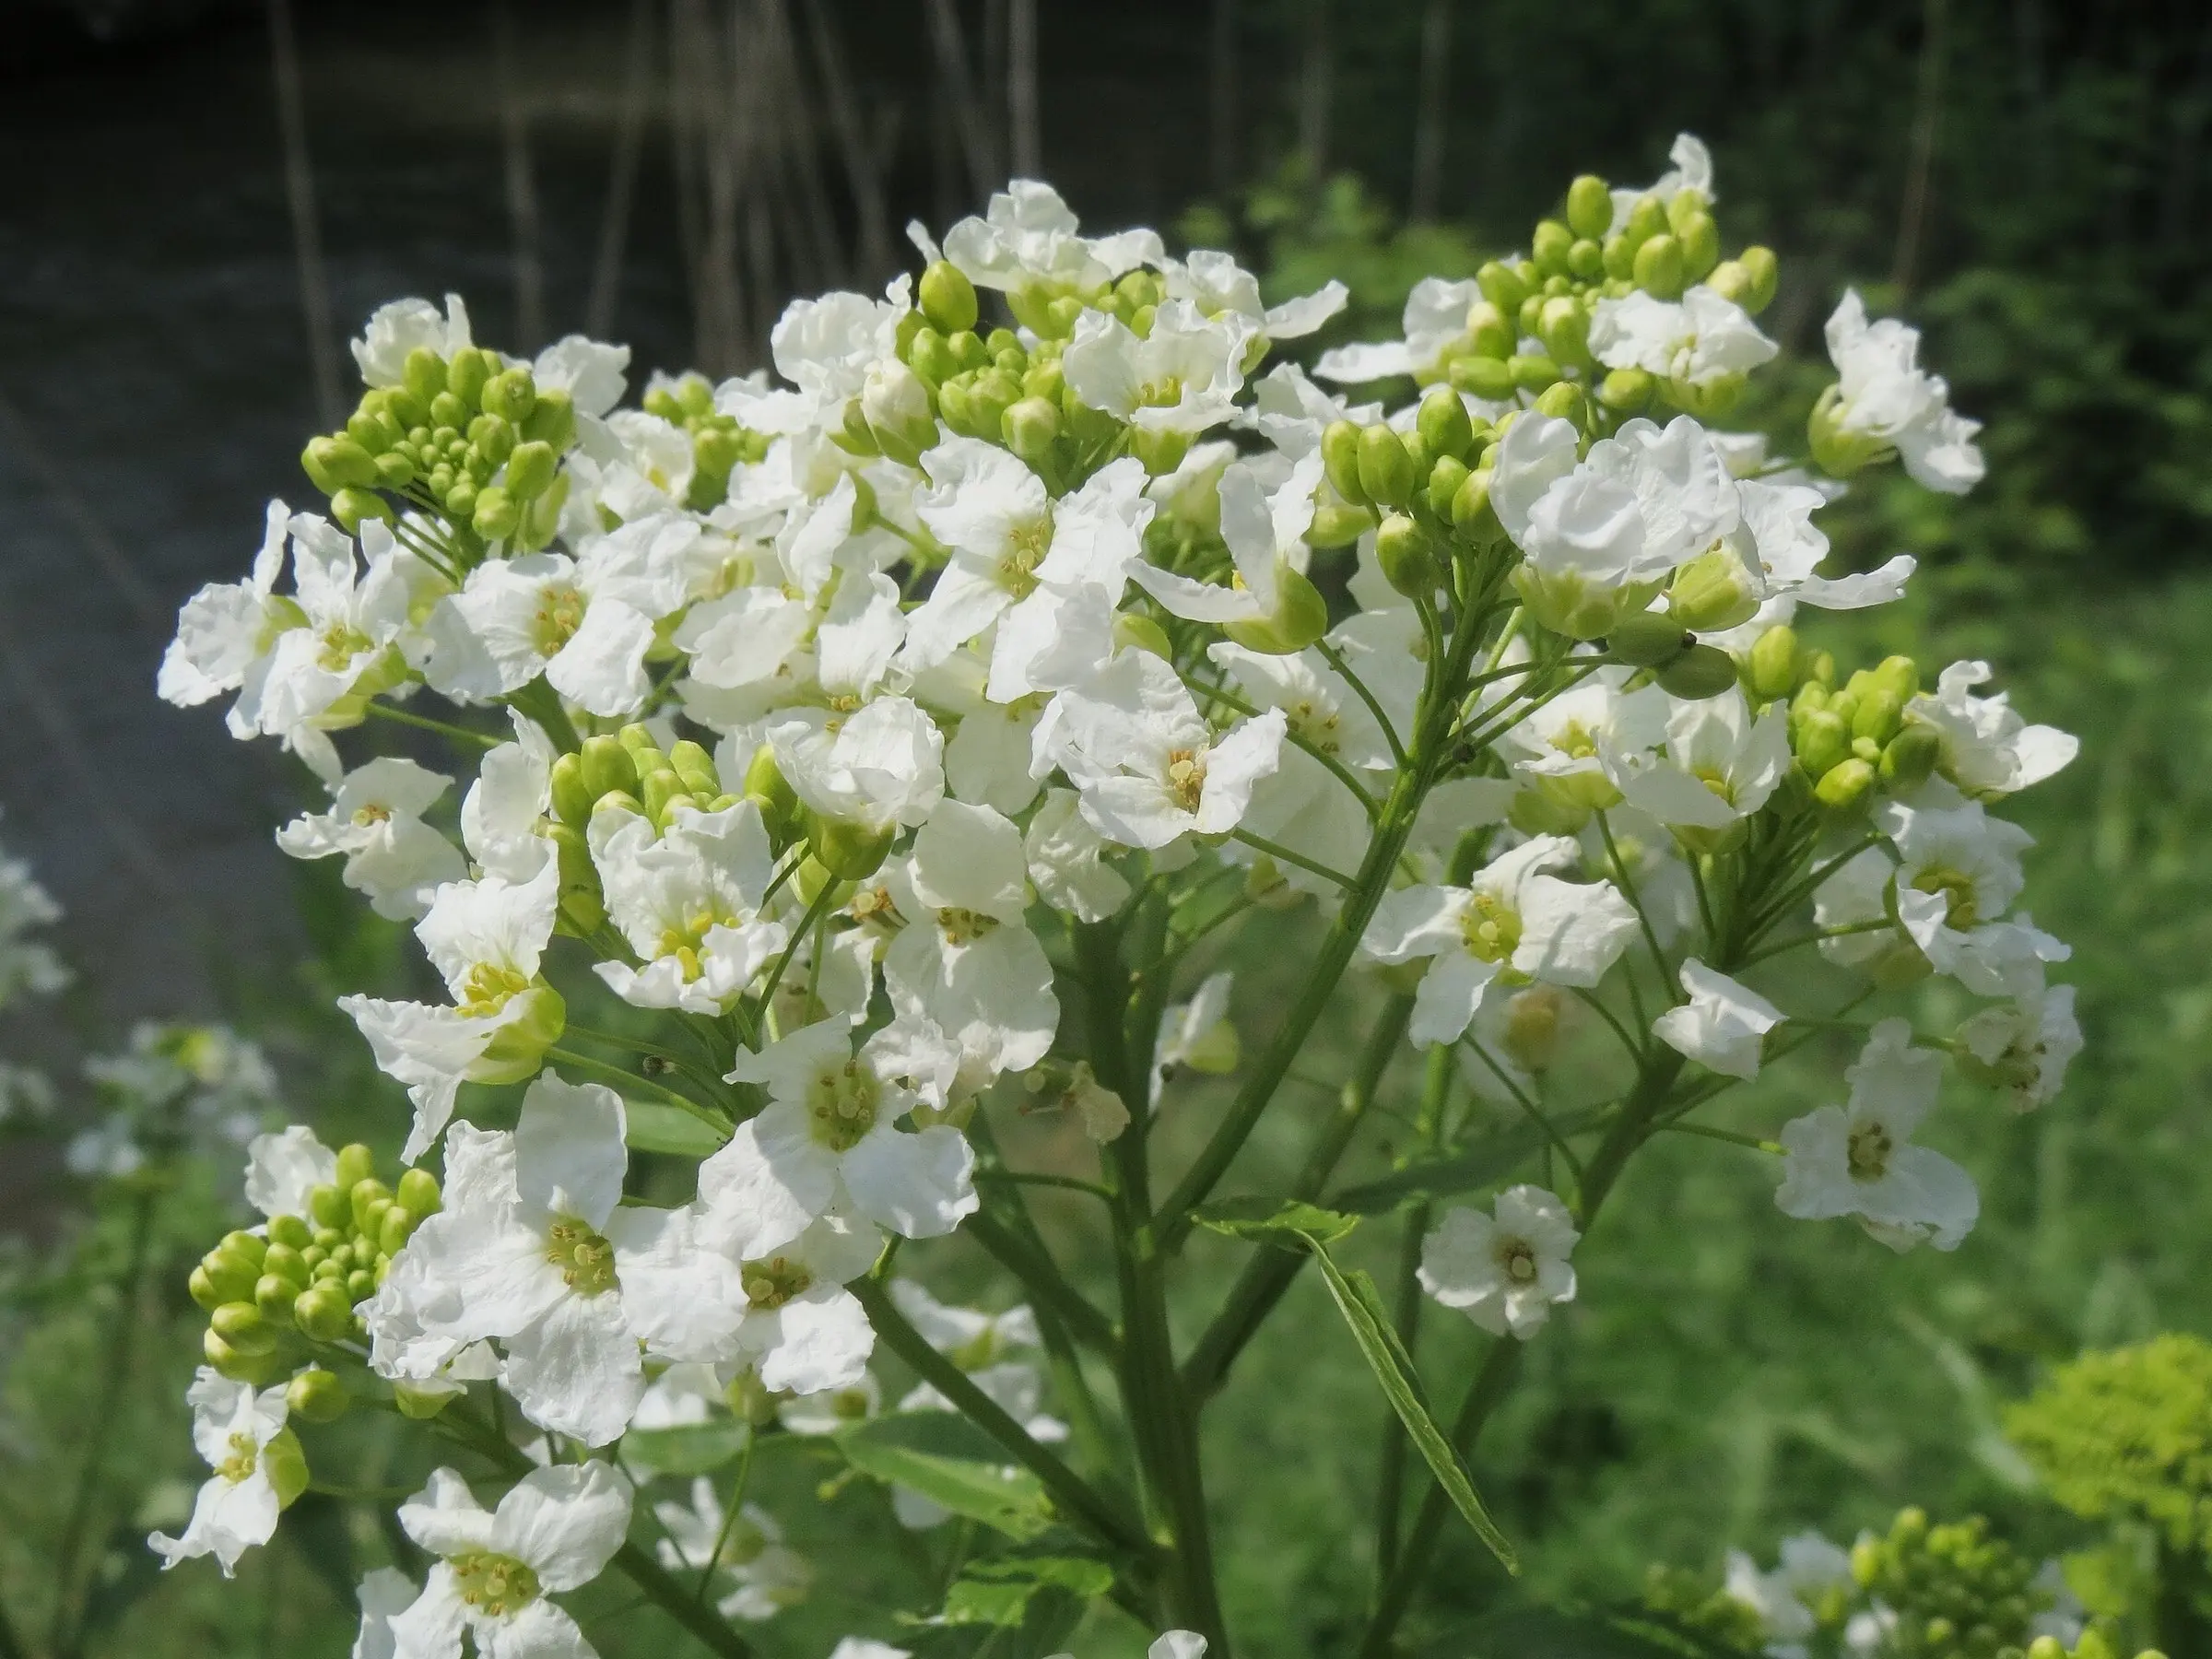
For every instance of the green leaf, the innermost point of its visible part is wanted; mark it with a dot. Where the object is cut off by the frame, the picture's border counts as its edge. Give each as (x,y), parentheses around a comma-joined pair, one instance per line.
(1282,1221)
(954,1464)
(657,1126)
(688,1449)
(1362,1309)
(1549,1633)
(1000,1592)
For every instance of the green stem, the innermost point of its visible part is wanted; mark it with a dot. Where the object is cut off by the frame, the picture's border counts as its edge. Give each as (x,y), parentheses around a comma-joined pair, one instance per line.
(729,1519)
(1335,659)
(815,913)
(385,710)
(690,1068)
(1042,1280)
(1282,854)
(1075,1496)
(1534,1112)
(617,1076)
(1729,1135)
(1231,701)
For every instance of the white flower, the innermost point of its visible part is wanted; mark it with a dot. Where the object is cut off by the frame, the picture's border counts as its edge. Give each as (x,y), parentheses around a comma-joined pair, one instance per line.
(1197,1034)
(868,1647)
(1810,1567)
(1603,533)
(1778,538)
(554,1530)
(1148,768)
(584,624)
(1858,1159)
(1267,538)
(1028,237)
(881,766)
(352,618)
(530,1250)
(1016,1388)
(258,1470)
(1884,398)
(1721,1026)
(1009,539)
(1958,870)
(1504,1271)
(487,938)
(1217,284)
(376,819)
(591,372)
(688,900)
(2025,1047)
(802,1330)
(226,631)
(26,964)
(1563,747)
(826,347)
(1697,340)
(829,1139)
(1066,864)
(383,1592)
(748,1552)
(1513,919)
(401,326)
(503,817)
(1987,748)
(1182,377)
(1288,410)
(1434,319)
(969,965)
(1693,169)
(970,1339)
(827,1412)
(282,1170)
(1721,763)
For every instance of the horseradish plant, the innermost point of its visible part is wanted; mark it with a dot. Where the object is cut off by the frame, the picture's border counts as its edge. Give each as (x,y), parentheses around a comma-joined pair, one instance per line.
(847,766)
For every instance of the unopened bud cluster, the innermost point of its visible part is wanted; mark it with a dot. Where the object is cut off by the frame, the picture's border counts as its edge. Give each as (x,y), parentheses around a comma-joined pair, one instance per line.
(720,443)
(1956,1590)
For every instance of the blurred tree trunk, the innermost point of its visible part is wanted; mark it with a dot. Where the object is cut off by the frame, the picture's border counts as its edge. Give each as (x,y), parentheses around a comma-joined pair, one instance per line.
(1316,92)
(521,188)
(1927,115)
(1024,140)
(1221,99)
(1428,119)
(622,175)
(307,231)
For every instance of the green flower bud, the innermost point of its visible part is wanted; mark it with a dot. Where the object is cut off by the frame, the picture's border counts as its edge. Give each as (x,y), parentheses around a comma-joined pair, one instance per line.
(1822,740)
(250,1247)
(332,463)
(765,785)
(216,1279)
(510,395)
(1770,668)
(423,373)
(322,1312)
(286,1262)
(256,1369)
(1133,631)
(1899,675)
(644,747)
(931,358)
(1489,330)
(363,1193)
(290,1231)
(607,767)
(446,410)
(1301,616)
(1909,759)
(1337,525)
(1564,327)
(657,788)
(316,1396)
(466,372)
(361,1285)
(1713,591)
(895,403)
(1529,315)
(1443,424)
(852,852)
(1548,247)
(1029,427)
(349,506)
(1729,280)
(274,1294)
(1589,205)
(1765,272)
(1625,390)
(696,767)
(1586,260)
(1444,480)
(1502,286)
(357,1163)
(1878,715)
(552,421)
(1408,562)
(947,297)
(394,471)
(572,797)
(397,1227)
(1532,372)
(1700,240)
(1617,255)
(1658,268)
(1487,378)
(530,469)
(1386,471)
(1161,452)
(1562,400)
(495,515)
(418,1192)
(1701,672)
(968,349)
(244,1326)
(1472,515)
(1649,638)
(461,500)
(1844,785)
(1000,341)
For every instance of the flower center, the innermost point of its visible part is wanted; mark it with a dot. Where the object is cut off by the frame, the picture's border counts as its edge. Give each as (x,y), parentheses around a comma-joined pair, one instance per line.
(1161,393)
(1186,777)
(487,989)
(1574,741)
(1491,928)
(496,1584)
(775,1280)
(874,907)
(685,938)
(964,926)
(1717,780)
(1027,544)
(1517,1259)
(341,642)
(244,1458)
(586,1261)
(1868,1152)
(840,1106)
(1962,906)
(1318,725)
(559,614)
(371,814)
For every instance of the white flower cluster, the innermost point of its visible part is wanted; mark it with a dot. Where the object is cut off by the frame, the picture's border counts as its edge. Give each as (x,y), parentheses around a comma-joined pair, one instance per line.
(848,726)
(27,967)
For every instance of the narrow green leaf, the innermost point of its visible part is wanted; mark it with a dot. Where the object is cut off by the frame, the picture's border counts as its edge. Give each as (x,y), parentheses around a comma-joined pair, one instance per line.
(657,1126)
(1283,1222)
(688,1449)
(999,1592)
(936,1453)
(1362,1309)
